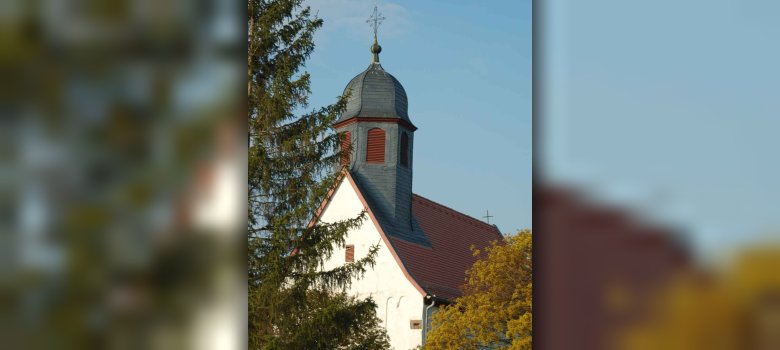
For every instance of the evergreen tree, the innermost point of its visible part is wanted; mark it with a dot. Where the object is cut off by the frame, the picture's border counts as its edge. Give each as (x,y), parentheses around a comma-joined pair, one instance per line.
(293,163)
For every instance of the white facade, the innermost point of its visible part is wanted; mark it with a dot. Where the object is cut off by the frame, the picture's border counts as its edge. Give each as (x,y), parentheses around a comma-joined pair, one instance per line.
(398,300)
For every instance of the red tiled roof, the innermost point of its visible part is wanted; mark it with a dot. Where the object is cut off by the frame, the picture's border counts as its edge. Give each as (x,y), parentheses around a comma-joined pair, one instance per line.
(441,268)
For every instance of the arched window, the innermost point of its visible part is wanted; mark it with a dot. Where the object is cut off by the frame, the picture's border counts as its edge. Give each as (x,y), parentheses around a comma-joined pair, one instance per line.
(404,149)
(345,151)
(375,152)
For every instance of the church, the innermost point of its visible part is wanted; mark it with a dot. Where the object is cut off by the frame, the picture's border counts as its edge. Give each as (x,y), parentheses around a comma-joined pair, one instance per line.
(424,246)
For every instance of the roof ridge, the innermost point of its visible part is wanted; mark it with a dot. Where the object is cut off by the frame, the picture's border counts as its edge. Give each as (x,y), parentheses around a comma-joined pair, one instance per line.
(395,92)
(362,87)
(473,219)
(398,85)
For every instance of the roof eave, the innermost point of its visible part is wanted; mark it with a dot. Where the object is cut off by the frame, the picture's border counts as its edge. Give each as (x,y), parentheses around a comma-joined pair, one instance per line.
(357,118)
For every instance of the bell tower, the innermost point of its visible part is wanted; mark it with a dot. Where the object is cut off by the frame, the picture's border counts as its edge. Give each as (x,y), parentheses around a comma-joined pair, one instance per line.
(377,125)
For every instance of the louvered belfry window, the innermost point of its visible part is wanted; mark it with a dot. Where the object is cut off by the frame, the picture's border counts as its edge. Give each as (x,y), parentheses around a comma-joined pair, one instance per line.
(350,253)
(404,149)
(345,151)
(375,153)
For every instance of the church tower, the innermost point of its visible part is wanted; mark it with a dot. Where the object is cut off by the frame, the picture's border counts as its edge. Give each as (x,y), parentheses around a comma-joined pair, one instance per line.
(377,126)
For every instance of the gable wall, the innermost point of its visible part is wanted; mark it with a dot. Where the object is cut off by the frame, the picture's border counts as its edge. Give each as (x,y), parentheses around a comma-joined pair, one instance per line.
(398,301)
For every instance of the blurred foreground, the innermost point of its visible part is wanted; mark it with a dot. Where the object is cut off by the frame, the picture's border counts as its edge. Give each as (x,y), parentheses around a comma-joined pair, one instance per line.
(655,199)
(607,279)
(122,185)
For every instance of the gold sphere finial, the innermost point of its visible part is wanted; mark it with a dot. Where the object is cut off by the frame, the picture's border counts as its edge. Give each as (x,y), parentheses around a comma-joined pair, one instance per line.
(375,49)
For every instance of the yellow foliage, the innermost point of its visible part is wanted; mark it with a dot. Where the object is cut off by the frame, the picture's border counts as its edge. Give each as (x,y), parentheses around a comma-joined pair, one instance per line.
(738,309)
(495,309)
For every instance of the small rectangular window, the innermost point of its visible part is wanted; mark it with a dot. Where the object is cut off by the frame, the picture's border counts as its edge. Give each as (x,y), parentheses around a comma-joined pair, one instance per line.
(415,324)
(350,253)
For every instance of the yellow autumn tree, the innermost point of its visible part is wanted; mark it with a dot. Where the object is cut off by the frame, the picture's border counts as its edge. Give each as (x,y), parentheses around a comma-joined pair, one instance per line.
(733,308)
(495,310)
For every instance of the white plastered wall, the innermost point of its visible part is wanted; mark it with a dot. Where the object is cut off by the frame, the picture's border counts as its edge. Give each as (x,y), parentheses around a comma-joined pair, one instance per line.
(398,301)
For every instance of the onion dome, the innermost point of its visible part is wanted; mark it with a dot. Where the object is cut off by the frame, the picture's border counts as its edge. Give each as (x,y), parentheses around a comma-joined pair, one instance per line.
(375,93)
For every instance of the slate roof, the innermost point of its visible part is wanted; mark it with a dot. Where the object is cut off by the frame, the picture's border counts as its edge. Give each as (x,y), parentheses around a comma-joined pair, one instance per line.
(377,94)
(413,234)
(440,268)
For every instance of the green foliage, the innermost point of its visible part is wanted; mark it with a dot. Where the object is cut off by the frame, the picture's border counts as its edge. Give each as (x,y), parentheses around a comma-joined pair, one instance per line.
(495,310)
(293,163)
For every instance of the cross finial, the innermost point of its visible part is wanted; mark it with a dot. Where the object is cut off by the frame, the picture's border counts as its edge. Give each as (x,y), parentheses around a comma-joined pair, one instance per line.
(487,216)
(375,20)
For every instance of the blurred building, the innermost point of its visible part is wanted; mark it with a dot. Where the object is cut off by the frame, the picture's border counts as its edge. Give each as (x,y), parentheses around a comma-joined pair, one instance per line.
(595,268)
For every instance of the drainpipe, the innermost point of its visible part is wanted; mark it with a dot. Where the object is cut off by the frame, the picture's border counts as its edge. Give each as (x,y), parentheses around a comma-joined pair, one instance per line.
(432,298)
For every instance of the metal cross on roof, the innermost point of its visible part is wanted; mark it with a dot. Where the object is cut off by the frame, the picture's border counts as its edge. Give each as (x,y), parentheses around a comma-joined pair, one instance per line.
(487,216)
(376,18)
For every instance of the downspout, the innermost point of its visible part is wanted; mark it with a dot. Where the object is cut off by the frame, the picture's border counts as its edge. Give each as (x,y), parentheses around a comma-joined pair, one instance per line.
(425,316)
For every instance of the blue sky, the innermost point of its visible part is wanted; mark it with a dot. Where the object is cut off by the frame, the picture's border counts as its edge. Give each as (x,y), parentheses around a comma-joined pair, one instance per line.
(466,68)
(670,107)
